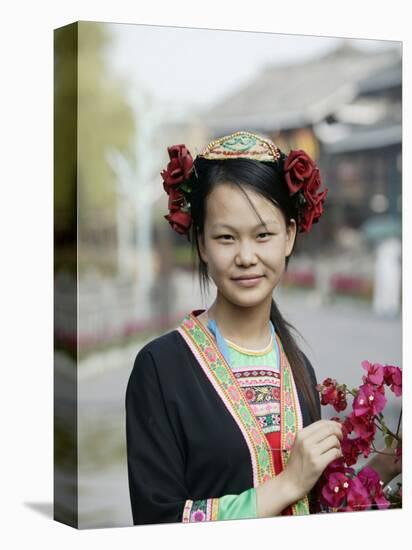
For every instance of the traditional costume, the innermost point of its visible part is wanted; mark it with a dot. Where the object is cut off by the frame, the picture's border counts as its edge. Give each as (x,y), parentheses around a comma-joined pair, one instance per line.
(208,421)
(201,434)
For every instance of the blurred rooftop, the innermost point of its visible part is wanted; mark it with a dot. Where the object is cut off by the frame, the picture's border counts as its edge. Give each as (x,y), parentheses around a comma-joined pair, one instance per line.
(300,94)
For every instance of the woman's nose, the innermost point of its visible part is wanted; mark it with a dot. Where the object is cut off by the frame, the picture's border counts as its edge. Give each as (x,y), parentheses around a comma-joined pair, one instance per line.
(246,254)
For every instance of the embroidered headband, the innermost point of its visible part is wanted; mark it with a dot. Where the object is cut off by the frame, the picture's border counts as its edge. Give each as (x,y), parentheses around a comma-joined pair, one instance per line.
(300,172)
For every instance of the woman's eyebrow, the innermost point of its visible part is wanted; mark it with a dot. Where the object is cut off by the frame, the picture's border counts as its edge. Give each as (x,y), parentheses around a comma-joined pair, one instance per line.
(268,222)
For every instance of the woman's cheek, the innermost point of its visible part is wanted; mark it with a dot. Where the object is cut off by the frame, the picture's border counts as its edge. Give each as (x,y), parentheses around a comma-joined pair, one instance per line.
(223,257)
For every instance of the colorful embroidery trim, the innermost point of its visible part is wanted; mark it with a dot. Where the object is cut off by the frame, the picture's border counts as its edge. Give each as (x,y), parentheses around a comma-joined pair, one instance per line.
(200,510)
(223,380)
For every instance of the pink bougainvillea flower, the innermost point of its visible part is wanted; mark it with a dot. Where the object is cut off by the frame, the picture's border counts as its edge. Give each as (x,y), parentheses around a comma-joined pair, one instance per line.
(347,426)
(328,391)
(374,373)
(372,483)
(340,403)
(350,451)
(331,394)
(369,478)
(369,401)
(337,466)
(333,492)
(363,426)
(357,496)
(393,378)
(363,445)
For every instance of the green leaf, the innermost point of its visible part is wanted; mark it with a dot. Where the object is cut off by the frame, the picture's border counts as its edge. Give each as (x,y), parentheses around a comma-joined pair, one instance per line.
(388,441)
(185,187)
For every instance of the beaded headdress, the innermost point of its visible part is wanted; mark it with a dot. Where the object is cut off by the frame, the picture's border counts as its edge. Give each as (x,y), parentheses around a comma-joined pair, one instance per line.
(301,176)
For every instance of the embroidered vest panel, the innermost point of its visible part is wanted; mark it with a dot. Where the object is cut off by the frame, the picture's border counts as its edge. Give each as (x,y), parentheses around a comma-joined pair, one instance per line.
(249,414)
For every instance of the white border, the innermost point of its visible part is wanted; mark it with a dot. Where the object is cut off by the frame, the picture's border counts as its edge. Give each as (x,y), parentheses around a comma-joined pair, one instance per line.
(27,276)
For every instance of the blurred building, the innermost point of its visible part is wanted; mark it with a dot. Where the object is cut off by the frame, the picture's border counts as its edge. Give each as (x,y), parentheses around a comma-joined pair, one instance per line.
(345,110)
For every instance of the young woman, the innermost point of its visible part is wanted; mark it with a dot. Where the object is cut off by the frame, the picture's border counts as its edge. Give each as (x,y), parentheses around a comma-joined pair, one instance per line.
(222,414)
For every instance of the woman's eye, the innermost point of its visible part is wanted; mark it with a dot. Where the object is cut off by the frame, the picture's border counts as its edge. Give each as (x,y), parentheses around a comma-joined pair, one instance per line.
(264,234)
(222,236)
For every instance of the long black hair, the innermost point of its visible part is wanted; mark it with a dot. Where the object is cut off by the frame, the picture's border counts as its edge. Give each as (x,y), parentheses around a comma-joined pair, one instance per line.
(265,178)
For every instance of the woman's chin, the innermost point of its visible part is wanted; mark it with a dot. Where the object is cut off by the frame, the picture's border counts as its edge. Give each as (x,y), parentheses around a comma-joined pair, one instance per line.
(251,297)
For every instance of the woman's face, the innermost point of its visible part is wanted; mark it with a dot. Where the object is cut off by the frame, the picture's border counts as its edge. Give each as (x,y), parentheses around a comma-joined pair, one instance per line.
(235,244)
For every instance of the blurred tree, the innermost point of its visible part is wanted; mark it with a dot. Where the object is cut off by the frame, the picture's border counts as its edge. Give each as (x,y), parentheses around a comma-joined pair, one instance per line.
(104,121)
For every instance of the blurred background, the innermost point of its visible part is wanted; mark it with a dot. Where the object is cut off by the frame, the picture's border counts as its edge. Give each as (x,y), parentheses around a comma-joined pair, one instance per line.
(143,88)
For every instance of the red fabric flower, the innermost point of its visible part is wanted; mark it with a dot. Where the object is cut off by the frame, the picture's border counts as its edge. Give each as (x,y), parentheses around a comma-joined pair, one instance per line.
(180,221)
(298,168)
(176,200)
(179,167)
(302,174)
(312,215)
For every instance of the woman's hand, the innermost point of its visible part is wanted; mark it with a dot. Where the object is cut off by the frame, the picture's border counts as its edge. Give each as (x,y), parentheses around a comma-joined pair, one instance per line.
(314,448)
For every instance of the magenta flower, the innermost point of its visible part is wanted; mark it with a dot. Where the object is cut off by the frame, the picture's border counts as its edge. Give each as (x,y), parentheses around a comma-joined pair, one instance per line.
(340,403)
(328,391)
(369,401)
(350,451)
(393,378)
(357,496)
(369,478)
(331,394)
(363,426)
(337,466)
(363,445)
(372,483)
(375,373)
(334,491)
(338,488)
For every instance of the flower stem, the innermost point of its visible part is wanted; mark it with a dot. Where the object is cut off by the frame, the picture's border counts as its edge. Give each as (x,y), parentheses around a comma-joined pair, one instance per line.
(388,431)
(399,423)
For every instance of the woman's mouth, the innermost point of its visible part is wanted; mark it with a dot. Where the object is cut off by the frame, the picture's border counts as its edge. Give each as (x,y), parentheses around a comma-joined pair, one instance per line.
(248,282)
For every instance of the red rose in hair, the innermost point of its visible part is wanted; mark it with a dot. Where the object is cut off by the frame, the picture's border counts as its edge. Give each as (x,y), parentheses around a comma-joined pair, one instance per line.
(176,199)
(302,174)
(298,168)
(180,221)
(179,167)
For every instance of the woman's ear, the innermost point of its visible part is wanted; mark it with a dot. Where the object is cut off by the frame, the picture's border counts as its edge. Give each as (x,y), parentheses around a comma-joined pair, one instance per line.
(290,236)
(202,248)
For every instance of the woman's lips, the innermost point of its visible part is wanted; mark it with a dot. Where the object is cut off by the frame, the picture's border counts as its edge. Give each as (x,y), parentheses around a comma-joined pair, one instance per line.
(248,282)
